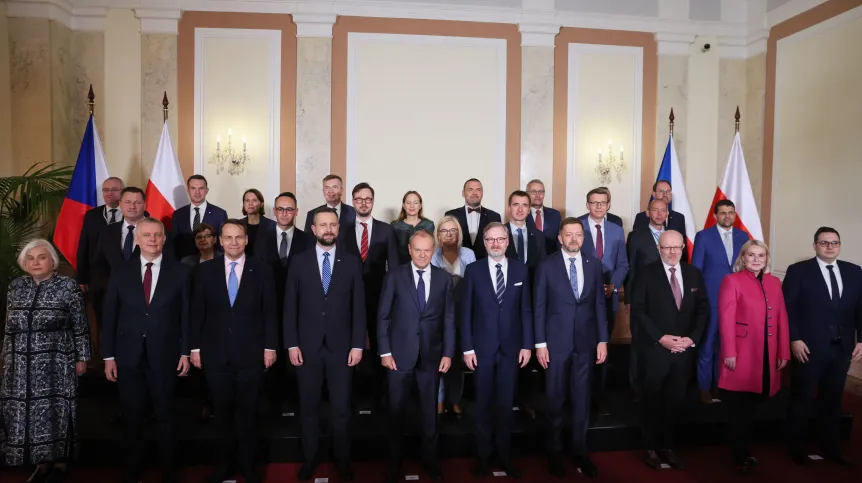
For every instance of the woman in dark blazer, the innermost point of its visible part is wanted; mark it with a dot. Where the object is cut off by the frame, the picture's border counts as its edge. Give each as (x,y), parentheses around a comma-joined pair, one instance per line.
(254,221)
(755,343)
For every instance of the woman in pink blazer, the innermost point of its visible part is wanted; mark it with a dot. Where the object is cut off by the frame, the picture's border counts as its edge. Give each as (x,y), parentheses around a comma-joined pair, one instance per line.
(755,343)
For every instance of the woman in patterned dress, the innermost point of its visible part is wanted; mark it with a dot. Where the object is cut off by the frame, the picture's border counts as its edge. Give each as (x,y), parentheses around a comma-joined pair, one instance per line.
(45,349)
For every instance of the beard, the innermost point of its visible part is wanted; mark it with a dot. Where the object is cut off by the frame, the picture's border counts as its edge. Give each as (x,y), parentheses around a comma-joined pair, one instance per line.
(326,240)
(496,253)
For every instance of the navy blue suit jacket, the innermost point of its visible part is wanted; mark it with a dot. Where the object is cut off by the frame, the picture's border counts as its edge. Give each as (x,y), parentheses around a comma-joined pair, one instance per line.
(565,324)
(810,309)
(181,228)
(507,327)
(550,227)
(535,244)
(345,220)
(710,258)
(615,261)
(405,332)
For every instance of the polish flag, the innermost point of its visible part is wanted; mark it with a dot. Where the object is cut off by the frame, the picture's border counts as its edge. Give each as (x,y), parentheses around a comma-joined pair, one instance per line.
(166,189)
(736,187)
(671,171)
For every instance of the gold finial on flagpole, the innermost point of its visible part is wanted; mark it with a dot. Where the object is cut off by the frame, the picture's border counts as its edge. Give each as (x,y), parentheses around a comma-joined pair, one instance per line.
(736,119)
(165,106)
(671,117)
(91,100)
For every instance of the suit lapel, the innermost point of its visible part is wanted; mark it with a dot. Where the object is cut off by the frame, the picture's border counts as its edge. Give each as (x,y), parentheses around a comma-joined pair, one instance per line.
(407,273)
(165,276)
(817,274)
(562,272)
(461,215)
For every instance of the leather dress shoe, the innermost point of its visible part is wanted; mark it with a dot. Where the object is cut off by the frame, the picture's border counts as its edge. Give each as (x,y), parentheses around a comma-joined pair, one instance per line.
(481,468)
(432,469)
(38,476)
(748,465)
(706,397)
(555,465)
(672,459)
(345,473)
(511,470)
(588,468)
(652,460)
(306,471)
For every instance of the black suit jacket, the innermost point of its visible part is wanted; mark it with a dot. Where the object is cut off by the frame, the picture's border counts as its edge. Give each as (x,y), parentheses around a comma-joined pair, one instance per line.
(642,250)
(129,324)
(238,335)
(675,221)
(182,235)
(616,219)
(485,216)
(405,332)
(109,254)
(266,250)
(536,245)
(381,250)
(94,221)
(313,319)
(345,220)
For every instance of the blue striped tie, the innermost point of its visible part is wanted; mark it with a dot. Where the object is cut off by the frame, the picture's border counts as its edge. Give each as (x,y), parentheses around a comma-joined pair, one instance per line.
(501,284)
(573,277)
(326,273)
(232,284)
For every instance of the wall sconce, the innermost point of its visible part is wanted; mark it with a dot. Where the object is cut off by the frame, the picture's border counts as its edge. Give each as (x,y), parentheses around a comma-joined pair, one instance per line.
(610,163)
(229,159)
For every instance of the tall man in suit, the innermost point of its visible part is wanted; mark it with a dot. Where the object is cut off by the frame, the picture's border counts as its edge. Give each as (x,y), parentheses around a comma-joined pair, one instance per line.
(642,248)
(824,309)
(416,339)
(670,309)
(526,242)
(496,337)
(546,219)
(333,188)
(145,343)
(276,246)
(116,242)
(473,217)
(607,242)
(234,337)
(661,190)
(324,331)
(571,329)
(185,218)
(715,251)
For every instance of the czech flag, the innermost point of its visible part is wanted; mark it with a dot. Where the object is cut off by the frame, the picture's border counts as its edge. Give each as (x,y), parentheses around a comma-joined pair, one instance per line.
(85,193)
(736,187)
(671,171)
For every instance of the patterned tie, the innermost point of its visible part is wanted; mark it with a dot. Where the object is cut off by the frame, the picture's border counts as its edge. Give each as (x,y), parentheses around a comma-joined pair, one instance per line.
(363,244)
(148,282)
(129,243)
(197,219)
(520,246)
(420,291)
(501,284)
(600,243)
(282,247)
(539,220)
(674,287)
(326,273)
(113,216)
(232,284)
(573,277)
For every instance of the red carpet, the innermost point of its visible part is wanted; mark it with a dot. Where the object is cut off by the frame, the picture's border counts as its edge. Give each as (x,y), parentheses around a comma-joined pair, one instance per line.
(703,464)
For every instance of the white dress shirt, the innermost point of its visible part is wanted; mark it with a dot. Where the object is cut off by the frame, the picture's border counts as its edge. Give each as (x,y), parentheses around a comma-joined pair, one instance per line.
(513,229)
(825,272)
(320,251)
(278,231)
(656,234)
(337,209)
(534,210)
(203,209)
(426,276)
(579,268)
(472,223)
(455,269)
(677,274)
(492,266)
(155,269)
(368,222)
(594,232)
(118,215)
(125,233)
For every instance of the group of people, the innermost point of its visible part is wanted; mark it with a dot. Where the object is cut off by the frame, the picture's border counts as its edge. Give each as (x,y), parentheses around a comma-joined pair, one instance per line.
(250,299)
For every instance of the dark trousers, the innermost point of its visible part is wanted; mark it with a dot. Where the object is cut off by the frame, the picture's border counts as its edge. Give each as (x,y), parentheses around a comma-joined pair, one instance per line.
(740,409)
(332,367)
(496,379)
(426,377)
(600,377)
(569,374)
(378,372)
(826,373)
(235,393)
(664,381)
(281,384)
(139,384)
(634,367)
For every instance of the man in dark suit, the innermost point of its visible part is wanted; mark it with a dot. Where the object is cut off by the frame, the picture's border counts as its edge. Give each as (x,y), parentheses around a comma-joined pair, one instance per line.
(416,339)
(526,243)
(324,331)
(473,217)
(185,218)
(116,242)
(234,336)
(496,337)
(823,296)
(544,218)
(607,242)
(661,190)
(277,245)
(642,248)
(715,251)
(571,329)
(670,309)
(333,188)
(145,343)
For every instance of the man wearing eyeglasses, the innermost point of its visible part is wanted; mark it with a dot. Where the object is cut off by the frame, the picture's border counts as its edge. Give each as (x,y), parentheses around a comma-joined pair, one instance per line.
(544,218)
(823,297)
(662,190)
(669,311)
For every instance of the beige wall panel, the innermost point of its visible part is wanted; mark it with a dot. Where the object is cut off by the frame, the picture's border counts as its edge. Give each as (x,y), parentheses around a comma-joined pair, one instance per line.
(30,72)
(121,129)
(158,75)
(7,164)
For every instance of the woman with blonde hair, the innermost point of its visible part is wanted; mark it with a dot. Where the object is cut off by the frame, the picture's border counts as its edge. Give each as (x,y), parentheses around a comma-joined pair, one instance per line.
(46,348)
(755,343)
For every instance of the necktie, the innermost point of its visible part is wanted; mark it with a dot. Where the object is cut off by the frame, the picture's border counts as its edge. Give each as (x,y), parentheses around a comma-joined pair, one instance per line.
(728,247)
(282,247)
(573,277)
(501,284)
(232,284)
(539,220)
(420,291)
(197,219)
(655,234)
(600,243)
(113,216)
(674,287)
(520,246)
(363,244)
(129,243)
(833,282)
(148,282)
(326,273)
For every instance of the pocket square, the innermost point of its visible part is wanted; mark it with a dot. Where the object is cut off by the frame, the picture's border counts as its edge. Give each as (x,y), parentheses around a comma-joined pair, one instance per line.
(519,284)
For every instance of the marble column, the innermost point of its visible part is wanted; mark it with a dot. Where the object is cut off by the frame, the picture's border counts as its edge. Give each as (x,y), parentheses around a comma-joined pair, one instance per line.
(672,93)
(158,75)
(537,111)
(30,78)
(313,107)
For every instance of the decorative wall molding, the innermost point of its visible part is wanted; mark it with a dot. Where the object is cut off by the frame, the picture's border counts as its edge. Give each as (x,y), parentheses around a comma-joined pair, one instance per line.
(159,20)
(670,43)
(314,24)
(789,10)
(538,34)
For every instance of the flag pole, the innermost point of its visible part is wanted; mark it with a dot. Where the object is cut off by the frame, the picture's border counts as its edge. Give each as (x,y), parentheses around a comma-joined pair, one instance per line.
(91,100)
(736,119)
(165,106)
(671,117)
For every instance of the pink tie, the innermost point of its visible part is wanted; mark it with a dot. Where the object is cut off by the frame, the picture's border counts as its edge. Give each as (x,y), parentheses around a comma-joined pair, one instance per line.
(539,220)
(674,287)
(600,244)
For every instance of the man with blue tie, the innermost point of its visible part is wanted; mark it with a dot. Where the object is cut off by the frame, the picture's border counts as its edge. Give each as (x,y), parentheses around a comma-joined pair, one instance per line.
(496,337)
(607,242)
(416,340)
(715,251)
(823,296)
(526,243)
(571,333)
(185,218)
(544,218)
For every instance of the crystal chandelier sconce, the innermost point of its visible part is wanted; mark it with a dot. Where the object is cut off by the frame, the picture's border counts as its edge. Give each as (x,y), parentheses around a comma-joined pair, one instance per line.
(608,164)
(230,159)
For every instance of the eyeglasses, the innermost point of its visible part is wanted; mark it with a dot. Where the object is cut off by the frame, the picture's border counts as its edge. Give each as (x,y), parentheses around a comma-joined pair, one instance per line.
(597,204)
(363,200)
(204,237)
(450,231)
(827,244)
(498,240)
(663,192)
(111,190)
(280,210)
(672,248)
(536,192)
